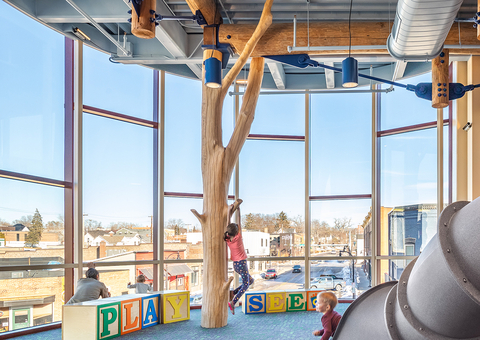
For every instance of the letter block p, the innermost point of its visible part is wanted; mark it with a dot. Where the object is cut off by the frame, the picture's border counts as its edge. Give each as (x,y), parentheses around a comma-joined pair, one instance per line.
(108,320)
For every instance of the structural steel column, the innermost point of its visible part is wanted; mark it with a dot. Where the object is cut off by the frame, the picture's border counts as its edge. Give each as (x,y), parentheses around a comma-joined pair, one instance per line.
(69,243)
(77,158)
(307,190)
(161,181)
(154,235)
(375,186)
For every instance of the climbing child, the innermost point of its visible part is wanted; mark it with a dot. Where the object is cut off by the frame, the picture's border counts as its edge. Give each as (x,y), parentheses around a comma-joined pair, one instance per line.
(233,237)
(326,302)
(140,287)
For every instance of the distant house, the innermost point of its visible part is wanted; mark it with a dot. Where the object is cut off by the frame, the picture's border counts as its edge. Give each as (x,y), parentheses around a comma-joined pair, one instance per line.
(145,234)
(91,235)
(117,240)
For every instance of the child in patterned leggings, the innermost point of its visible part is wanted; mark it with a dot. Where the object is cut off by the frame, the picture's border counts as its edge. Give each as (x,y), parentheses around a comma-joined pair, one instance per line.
(233,237)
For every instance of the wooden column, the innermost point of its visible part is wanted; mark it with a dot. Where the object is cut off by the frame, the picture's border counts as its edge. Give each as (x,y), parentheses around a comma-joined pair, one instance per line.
(440,81)
(478,26)
(142,25)
(218,163)
(473,134)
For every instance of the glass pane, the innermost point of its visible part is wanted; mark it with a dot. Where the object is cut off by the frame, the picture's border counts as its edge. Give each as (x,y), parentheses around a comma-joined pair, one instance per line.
(408,191)
(38,302)
(341,137)
(31,217)
(336,227)
(403,108)
(182,225)
(183,135)
(272,187)
(276,275)
(347,279)
(280,115)
(118,184)
(391,270)
(31,96)
(104,85)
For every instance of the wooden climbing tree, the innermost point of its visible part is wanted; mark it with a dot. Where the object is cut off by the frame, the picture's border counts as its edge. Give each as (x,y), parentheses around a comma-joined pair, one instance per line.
(217,166)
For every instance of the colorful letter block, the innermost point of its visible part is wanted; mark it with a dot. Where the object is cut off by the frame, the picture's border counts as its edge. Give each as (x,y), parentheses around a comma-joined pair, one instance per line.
(276,301)
(131,315)
(296,300)
(175,305)
(312,299)
(108,316)
(254,302)
(150,310)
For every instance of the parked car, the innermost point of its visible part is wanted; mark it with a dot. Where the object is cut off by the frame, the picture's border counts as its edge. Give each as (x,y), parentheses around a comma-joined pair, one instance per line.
(196,300)
(297,269)
(271,274)
(327,283)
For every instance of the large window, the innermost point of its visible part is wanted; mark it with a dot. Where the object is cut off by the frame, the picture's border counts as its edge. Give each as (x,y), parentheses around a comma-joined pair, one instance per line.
(408,178)
(32,169)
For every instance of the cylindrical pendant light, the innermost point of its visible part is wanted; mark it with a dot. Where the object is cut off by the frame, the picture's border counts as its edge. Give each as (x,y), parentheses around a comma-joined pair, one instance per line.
(350,72)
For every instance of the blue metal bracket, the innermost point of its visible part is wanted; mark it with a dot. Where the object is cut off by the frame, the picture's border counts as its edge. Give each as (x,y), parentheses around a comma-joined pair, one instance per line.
(422,90)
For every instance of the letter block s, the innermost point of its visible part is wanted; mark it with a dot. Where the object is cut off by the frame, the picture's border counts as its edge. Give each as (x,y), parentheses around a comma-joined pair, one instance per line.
(254,302)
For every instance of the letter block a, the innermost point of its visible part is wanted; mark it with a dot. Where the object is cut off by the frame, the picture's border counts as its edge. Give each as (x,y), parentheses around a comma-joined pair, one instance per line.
(296,300)
(131,315)
(108,320)
(312,299)
(254,302)
(150,310)
(276,301)
(175,305)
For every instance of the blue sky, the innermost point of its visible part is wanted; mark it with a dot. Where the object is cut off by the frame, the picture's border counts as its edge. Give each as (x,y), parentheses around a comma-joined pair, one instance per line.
(117,156)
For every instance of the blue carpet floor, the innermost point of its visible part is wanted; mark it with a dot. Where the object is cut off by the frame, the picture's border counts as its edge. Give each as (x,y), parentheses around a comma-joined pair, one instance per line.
(296,325)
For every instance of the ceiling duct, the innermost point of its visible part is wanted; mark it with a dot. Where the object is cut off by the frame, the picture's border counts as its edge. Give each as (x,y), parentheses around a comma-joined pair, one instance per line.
(420,28)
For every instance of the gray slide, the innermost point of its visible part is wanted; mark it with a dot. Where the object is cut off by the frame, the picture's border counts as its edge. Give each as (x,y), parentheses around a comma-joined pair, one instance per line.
(438,294)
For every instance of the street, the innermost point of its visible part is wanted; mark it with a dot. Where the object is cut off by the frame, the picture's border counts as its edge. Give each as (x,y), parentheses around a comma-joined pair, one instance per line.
(288,280)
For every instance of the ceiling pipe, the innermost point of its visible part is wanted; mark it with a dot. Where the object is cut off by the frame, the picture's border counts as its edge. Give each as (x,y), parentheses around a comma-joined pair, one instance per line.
(420,28)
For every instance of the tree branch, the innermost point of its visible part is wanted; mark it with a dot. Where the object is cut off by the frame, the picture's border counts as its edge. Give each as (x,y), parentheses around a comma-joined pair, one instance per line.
(201,218)
(226,285)
(247,112)
(263,24)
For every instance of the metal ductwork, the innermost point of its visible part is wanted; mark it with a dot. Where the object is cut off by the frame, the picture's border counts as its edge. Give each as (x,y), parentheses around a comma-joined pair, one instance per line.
(420,28)
(438,294)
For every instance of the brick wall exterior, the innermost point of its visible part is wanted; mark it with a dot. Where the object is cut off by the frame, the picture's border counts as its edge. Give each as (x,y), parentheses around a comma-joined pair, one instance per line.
(28,288)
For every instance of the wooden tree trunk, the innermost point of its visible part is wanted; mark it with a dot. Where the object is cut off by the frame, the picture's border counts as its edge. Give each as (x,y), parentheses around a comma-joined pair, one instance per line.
(217,167)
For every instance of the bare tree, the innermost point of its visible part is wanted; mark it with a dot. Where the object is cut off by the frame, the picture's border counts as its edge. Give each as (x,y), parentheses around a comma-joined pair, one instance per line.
(218,163)
(25,220)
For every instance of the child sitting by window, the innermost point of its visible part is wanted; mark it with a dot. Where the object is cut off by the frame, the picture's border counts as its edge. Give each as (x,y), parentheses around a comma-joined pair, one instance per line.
(326,302)
(140,287)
